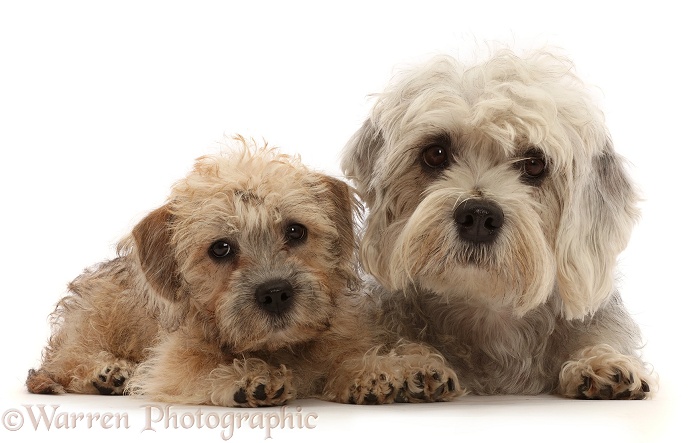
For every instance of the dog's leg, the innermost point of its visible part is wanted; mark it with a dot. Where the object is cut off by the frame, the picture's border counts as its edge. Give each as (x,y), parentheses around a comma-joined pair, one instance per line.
(601,373)
(113,375)
(100,332)
(40,381)
(251,383)
(182,369)
(81,373)
(410,373)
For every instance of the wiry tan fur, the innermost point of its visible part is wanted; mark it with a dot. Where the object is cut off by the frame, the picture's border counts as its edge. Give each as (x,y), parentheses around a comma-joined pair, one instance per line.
(535,309)
(169,320)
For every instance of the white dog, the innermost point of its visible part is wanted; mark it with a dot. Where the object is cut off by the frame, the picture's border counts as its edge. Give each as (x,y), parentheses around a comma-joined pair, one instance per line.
(497,208)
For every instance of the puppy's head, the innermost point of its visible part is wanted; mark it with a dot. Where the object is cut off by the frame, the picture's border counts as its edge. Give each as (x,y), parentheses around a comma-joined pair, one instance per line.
(495,182)
(253,247)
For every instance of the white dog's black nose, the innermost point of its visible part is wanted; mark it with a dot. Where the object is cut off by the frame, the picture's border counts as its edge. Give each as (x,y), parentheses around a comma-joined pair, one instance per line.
(478,221)
(275,296)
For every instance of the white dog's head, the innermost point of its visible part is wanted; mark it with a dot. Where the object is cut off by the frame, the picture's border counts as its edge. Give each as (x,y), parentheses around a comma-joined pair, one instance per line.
(496,182)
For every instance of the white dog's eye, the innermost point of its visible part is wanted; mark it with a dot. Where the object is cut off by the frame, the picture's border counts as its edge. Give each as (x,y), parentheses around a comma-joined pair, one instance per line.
(532,166)
(435,157)
(296,232)
(221,249)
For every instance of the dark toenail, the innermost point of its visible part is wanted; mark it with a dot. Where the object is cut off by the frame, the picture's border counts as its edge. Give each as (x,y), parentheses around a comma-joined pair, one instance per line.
(419,380)
(260,393)
(401,396)
(103,390)
(240,397)
(370,399)
(624,395)
(279,393)
(606,392)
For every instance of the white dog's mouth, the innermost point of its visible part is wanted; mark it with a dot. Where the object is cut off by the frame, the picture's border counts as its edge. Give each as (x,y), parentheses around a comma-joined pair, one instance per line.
(466,243)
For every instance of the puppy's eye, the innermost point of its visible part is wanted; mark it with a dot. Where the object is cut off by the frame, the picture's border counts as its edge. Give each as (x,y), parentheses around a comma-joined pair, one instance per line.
(435,157)
(296,233)
(222,249)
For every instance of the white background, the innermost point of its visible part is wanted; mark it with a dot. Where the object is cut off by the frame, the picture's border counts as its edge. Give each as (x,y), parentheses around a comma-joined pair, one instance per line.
(104,105)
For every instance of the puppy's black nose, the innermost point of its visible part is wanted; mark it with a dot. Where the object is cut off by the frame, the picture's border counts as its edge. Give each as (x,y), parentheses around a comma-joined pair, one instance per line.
(478,221)
(275,296)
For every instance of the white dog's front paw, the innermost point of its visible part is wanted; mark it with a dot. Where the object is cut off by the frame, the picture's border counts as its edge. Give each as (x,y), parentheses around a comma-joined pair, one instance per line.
(410,373)
(601,373)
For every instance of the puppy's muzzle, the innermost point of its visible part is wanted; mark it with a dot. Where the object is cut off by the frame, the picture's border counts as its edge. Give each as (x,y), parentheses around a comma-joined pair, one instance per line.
(478,220)
(275,296)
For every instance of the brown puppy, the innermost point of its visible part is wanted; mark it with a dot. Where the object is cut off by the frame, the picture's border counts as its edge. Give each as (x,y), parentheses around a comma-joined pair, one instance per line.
(239,291)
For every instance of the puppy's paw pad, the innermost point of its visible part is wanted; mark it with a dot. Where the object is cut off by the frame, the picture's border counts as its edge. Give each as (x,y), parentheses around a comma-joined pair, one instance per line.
(111,379)
(273,388)
(374,389)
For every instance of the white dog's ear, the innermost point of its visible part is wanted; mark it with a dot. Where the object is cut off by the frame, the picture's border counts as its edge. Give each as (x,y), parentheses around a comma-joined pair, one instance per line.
(154,248)
(359,158)
(359,165)
(595,227)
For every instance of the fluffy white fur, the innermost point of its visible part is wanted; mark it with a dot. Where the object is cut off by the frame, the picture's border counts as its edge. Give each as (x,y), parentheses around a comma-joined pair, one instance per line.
(511,312)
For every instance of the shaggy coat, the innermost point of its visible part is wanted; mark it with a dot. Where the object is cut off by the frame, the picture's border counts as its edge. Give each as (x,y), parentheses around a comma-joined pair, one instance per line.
(496,210)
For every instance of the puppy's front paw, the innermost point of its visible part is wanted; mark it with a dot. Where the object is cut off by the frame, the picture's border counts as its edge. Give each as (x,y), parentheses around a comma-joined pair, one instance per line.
(252,383)
(111,379)
(372,387)
(601,373)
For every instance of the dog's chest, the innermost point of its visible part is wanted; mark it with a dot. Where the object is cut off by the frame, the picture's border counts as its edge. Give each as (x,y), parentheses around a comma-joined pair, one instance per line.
(494,351)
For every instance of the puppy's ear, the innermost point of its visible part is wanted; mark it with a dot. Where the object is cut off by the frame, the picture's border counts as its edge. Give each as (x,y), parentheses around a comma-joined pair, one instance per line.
(359,159)
(345,210)
(595,227)
(154,249)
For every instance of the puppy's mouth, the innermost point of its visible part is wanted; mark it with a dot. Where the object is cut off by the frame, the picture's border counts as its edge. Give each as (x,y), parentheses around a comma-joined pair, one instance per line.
(277,313)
